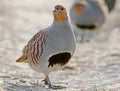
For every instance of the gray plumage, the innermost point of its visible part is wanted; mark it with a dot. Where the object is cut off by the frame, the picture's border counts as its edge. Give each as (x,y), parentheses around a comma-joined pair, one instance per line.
(94,15)
(59,39)
(51,48)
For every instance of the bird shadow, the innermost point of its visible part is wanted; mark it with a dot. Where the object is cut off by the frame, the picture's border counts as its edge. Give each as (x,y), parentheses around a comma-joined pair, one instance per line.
(17,86)
(56,87)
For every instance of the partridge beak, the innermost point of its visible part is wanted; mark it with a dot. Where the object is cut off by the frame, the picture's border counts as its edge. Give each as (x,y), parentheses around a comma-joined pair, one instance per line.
(54,11)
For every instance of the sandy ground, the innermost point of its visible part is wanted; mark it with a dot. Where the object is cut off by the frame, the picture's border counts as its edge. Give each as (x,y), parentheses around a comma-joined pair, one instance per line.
(94,67)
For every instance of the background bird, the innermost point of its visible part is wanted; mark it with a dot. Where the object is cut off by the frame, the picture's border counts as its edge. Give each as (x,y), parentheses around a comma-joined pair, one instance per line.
(110,4)
(50,49)
(89,15)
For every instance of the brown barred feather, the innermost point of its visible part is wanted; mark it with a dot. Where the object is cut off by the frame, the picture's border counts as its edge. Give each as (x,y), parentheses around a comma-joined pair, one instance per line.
(32,51)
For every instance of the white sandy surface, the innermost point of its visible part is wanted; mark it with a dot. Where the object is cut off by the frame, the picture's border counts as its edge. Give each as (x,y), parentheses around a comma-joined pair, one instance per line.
(94,67)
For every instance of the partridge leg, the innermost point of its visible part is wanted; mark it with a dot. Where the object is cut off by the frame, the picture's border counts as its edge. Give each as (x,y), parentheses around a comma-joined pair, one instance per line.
(47,81)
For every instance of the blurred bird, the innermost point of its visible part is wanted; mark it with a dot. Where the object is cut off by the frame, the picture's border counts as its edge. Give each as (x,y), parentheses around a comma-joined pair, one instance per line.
(110,4)
(50,49)
(88,15)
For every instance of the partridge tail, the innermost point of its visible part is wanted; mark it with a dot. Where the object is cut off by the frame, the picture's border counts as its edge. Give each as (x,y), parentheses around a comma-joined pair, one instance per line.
(21,59)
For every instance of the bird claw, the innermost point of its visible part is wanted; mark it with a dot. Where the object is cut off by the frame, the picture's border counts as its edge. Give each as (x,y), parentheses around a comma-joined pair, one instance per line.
(46,82)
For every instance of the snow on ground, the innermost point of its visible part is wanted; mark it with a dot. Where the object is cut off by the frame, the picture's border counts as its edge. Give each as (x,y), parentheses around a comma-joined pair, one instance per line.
(94,67)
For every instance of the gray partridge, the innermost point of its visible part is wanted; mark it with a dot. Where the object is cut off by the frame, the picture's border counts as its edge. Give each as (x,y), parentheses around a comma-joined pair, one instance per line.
(88,15)
(51,48)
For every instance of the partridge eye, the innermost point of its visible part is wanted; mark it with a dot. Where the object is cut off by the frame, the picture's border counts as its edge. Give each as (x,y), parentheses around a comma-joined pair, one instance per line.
(62,9)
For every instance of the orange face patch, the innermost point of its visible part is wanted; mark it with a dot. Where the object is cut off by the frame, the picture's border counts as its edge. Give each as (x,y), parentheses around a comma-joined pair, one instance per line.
(79,8)
(60,14)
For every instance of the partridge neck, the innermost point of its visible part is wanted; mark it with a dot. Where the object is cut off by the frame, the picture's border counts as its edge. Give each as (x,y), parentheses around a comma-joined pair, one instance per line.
(65,23)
